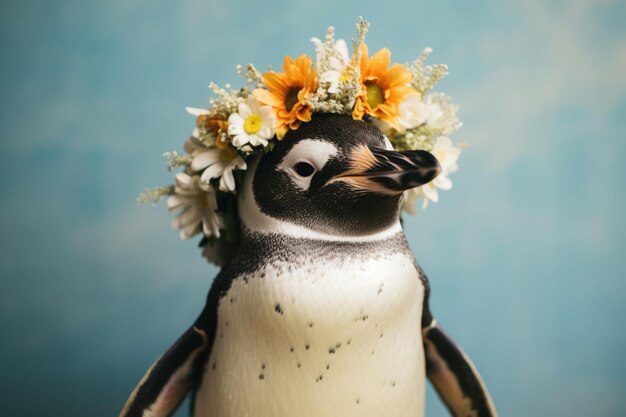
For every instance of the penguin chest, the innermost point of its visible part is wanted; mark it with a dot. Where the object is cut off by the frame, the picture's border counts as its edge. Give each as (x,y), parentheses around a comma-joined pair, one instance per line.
(332,338)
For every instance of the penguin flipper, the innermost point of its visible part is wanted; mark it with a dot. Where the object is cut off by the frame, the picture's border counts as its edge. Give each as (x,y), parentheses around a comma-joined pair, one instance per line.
(454,376)
(449,369)
(164,386)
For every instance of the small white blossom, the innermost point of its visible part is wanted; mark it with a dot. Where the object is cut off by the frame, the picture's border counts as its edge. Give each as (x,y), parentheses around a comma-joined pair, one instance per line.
(447,121)
(254,124)
(198,206)
(217,162)
(447,155)
(415,112)
(331,62)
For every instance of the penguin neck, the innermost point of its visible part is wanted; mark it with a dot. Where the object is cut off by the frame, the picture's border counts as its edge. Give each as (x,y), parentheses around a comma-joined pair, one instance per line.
(254,220)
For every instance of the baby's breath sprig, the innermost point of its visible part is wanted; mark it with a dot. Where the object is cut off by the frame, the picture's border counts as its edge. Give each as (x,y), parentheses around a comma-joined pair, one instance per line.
(227,100)
(327,51)
(250,74)
(362,27)
(324,102)
(153,195)
(426,76)
(412,139)
(340,83)
(175,160)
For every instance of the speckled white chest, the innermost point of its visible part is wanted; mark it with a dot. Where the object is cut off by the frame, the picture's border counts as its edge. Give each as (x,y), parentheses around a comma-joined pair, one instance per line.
(334,338)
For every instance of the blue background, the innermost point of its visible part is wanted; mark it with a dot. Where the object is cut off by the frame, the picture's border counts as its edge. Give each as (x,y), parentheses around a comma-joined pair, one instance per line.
(525,254)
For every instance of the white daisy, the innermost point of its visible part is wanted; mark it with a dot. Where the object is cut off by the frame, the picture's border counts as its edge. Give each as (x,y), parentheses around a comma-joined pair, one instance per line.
(217,162)
(254,124)
(447,155)
(198,206)
(338,59)
(415,112)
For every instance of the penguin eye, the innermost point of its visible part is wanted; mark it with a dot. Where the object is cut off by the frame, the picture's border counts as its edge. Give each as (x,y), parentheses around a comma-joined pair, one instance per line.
(304,169)
(304,159)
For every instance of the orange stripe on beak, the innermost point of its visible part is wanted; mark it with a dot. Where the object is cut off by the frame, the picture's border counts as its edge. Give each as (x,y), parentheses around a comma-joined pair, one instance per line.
(388,172)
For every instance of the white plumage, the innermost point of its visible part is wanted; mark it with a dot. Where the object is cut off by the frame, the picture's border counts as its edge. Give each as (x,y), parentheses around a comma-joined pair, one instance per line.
(344,334)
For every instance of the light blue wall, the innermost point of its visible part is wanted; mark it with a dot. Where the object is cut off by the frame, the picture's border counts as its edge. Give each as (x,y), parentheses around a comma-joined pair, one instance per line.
(525,254)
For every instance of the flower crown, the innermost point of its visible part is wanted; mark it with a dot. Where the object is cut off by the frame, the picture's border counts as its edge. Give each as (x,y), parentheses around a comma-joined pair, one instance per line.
(241,122)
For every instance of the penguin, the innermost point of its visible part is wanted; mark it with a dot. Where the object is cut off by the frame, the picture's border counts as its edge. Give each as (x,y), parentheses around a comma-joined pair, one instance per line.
(323,310)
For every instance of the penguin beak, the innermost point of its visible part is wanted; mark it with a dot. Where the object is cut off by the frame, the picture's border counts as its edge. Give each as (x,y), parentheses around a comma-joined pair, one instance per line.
(387,171)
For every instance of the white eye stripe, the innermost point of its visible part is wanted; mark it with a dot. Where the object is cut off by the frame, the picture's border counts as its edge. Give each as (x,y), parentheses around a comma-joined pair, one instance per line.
(312,151)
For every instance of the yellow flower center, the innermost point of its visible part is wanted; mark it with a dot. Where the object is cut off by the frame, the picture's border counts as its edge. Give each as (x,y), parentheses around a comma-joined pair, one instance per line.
(291,98)
(252,124)
(374,94)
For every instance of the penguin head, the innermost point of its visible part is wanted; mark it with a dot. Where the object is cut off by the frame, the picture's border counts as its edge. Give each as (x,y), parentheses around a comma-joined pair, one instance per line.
(334,176)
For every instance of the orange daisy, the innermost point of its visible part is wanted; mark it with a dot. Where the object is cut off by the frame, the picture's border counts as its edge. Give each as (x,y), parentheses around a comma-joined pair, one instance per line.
(288,92)
(382,88)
